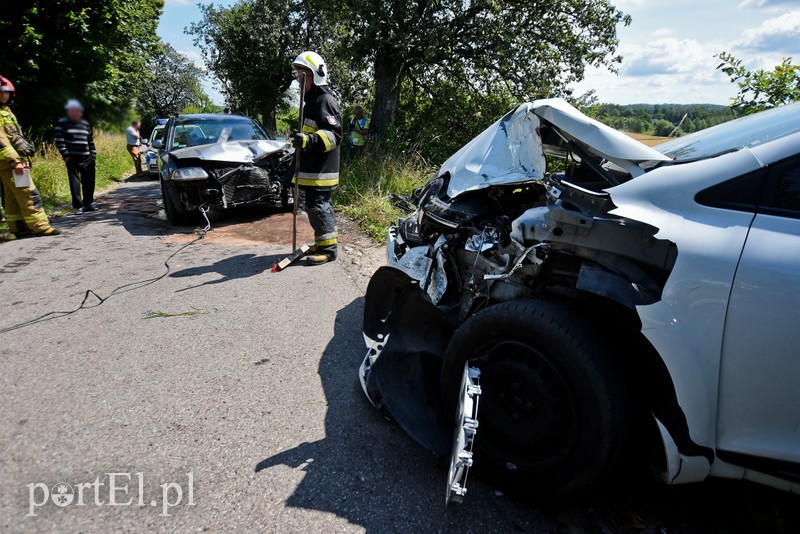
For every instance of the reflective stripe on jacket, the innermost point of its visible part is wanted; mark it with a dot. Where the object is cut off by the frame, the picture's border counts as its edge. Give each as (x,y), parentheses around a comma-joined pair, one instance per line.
(13,145)
(357,139)
(319,162)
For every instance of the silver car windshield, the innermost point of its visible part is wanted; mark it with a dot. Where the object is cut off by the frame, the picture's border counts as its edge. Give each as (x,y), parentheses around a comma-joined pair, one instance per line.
(745,132)
(196,132)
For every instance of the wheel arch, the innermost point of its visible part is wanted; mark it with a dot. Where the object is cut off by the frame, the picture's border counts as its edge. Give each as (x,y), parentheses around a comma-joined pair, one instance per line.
(663,434)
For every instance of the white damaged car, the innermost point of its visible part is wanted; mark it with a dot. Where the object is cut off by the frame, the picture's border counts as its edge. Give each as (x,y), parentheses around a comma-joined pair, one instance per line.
(570,297)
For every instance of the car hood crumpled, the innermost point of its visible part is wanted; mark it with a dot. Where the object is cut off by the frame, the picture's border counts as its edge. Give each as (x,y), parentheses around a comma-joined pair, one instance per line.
(232,151)
(511,151)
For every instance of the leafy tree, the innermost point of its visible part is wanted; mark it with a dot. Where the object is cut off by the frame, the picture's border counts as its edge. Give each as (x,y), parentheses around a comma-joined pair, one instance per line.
(248,46)
(761,89)
(174,85)
(524,49)
(663,127)
(95,50)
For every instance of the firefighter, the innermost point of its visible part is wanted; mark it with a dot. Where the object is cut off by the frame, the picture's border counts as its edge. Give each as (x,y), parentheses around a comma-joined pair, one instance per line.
(319,157)
(23,205)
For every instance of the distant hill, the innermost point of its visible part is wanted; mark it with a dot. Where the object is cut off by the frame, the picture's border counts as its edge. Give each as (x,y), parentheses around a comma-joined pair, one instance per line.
(662,120)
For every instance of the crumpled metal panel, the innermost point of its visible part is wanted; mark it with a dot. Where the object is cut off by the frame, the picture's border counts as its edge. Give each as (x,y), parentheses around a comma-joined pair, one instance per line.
(402,378)
(510,151)
(232,152)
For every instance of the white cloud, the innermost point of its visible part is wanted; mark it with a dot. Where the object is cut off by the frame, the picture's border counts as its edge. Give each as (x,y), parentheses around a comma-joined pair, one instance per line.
(780,33)
(764,4)
(668,55)
(663,32)
(193,55)
(665,69)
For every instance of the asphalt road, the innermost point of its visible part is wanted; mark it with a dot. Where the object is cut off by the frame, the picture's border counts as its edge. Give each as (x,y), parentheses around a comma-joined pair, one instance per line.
(239,387)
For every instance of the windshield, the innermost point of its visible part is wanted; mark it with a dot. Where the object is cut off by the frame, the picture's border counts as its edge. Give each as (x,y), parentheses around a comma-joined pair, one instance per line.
(749,131)
(157,133)
(206,131)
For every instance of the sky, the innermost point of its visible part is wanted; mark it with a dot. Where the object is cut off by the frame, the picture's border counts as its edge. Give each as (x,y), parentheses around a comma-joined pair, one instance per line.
(668,50)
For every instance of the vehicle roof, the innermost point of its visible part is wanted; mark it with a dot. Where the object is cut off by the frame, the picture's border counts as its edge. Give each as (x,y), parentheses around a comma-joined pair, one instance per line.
(212,117)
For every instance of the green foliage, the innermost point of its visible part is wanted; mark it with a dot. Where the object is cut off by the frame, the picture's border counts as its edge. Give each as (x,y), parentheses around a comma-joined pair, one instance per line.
(249,46)
(522,49)
(366,184)
(173,87)
(761,89)
(50,173)
(435,125)
(95,50)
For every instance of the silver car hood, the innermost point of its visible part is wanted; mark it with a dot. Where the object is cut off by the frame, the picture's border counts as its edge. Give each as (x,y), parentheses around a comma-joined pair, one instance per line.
(511,151)
(232,151)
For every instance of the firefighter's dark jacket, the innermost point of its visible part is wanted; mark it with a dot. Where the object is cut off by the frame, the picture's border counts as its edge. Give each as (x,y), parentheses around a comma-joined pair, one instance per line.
(322,123)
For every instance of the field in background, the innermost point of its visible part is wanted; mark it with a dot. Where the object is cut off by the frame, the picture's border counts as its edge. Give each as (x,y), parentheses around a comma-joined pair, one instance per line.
(647,139)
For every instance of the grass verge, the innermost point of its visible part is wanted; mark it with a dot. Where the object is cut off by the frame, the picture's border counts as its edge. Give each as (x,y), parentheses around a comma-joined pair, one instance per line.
(366,183)
(50,174)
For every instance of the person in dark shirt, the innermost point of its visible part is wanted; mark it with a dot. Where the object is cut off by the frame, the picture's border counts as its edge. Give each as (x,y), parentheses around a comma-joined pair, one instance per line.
(75,142)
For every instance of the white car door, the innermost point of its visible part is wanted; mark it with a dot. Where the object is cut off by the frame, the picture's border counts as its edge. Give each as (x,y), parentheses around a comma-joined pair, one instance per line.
(759,396)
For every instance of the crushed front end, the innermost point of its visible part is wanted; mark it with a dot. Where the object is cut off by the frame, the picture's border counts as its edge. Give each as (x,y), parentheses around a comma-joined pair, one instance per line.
(503,230)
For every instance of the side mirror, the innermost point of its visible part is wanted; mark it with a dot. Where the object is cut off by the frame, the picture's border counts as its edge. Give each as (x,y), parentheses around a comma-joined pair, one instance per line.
(158,143)
(143,140)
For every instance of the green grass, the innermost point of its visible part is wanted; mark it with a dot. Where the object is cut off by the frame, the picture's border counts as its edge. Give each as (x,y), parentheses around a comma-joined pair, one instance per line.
(50,174)
(165,315)
(366,183)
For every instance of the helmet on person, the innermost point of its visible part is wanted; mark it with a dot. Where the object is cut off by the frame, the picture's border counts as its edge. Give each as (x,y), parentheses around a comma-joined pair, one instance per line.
(315,63)
(6,85)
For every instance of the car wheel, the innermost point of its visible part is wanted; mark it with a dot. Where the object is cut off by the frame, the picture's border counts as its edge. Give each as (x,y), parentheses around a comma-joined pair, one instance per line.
(554,413)
(174,217)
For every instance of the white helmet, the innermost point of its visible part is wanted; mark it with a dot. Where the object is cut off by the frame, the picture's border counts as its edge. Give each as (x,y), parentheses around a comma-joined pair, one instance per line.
(315,63)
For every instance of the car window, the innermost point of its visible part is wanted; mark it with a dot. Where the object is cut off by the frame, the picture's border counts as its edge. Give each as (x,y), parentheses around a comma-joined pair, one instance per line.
(742,193)
(190,135)
(783,196)
(157,134)
(749,131)
(208,130)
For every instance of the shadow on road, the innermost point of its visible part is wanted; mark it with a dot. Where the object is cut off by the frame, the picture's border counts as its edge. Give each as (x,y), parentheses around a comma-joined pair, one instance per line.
(139,212)
(232,268)
(368,472)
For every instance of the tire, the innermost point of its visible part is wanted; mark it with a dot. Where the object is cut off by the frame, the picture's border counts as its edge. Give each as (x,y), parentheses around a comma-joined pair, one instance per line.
(174,217)
(554,413)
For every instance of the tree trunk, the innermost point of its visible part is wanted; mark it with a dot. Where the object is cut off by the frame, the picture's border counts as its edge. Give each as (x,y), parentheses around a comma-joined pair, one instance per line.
(389,73)
(269,120)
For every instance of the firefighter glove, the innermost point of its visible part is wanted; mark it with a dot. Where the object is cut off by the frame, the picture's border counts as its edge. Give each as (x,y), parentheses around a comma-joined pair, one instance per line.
(299,140)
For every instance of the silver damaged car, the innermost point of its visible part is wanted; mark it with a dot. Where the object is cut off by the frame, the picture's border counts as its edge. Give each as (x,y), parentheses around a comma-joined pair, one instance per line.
(562,297)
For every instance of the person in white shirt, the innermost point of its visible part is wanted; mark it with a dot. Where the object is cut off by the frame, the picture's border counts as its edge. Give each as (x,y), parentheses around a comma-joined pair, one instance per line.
(132,136)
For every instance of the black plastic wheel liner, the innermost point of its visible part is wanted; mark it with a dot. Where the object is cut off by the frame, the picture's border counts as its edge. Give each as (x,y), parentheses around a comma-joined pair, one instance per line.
(405,381)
